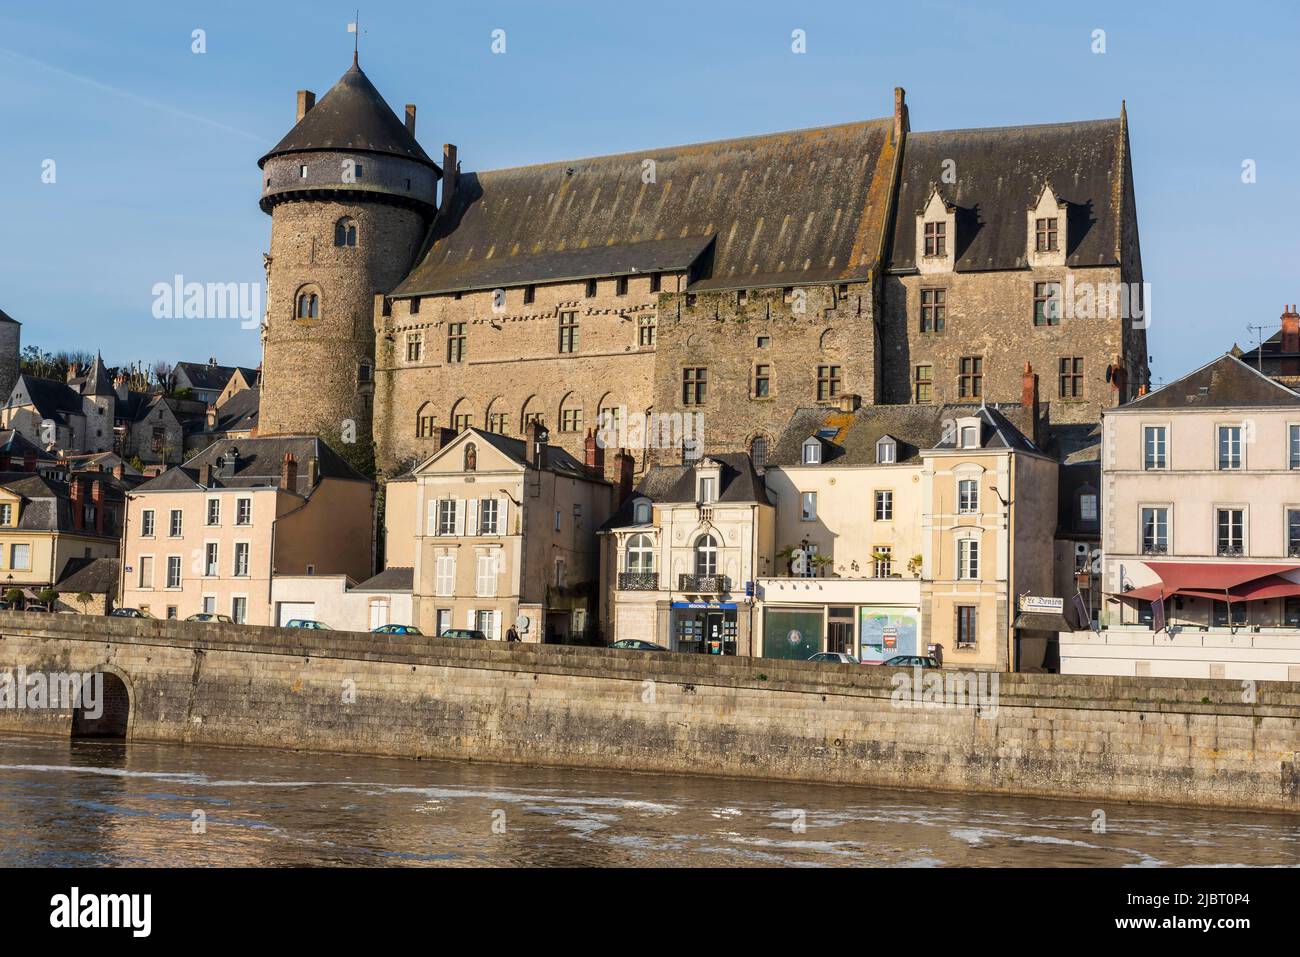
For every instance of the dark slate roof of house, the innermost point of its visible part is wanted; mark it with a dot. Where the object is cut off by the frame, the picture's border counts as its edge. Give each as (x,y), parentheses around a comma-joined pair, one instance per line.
(781,209)
(998,430)
(202,375)
(5,317)
(259,462)
(52,399)
(1226,382)
(396,578)
(678,483)
(351,116)
(557,460)
(16,444)
(239,412)
(48,503)
(1000,173)
(96,576)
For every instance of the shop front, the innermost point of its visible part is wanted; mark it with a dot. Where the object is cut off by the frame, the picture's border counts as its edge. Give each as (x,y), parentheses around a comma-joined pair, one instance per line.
(704,627)
(872,619)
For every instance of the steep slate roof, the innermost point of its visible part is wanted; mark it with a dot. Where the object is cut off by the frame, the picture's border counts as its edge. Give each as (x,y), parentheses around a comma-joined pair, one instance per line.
(48,503)
(96,576)
(239,412)
(1226,382)
(351,116)
(97,381)
(677,484)
(1000,173)
(557,460)
(781,209)
(258,466)
(202,375)
(5,317)
(998,430)
(50,398)
(16,444)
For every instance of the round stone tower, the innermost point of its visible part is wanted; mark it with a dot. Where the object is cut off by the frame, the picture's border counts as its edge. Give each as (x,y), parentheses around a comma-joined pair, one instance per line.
(351,195)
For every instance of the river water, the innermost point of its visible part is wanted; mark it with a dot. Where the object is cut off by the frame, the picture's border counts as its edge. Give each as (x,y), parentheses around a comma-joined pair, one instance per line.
(92,804)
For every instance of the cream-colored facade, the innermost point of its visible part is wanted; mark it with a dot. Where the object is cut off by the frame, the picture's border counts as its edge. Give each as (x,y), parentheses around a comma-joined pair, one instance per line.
(495,531)
(66,522)
(338,602)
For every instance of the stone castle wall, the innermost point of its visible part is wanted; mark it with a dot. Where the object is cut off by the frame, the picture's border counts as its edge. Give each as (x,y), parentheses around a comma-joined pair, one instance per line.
(1167,741)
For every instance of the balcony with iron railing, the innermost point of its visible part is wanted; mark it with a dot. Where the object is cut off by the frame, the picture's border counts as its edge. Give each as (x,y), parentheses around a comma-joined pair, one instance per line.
(703,584)
(1155,548)
(1227,550)
(638,581)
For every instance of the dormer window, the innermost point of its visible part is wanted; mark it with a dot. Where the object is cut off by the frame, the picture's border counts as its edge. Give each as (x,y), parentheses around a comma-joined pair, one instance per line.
(970,437)
(708,490)
(936,239)
(812,452)
(1045,235)
(1047,223)
(886,451)
(641,512)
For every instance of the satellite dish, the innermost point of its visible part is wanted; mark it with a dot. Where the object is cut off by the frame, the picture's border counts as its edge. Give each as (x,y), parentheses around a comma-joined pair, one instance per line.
(521,624)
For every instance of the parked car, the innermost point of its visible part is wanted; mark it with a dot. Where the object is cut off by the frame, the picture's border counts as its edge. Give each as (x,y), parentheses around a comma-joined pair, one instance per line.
(307,623)
(396,630)
(128,613)
(464,633)
(909,661)
(37,606)
(835,657)
(636,644)
(211,616)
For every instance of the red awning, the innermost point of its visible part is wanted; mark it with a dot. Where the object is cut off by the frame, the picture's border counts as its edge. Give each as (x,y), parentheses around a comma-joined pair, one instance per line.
(1212,579)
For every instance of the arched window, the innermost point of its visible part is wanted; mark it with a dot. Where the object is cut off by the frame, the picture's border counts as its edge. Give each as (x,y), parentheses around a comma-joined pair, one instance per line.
(471,457)
(706,557)
(308,305)
(424,421)
(640,555)
(345,232)
(758,452)
(641,512)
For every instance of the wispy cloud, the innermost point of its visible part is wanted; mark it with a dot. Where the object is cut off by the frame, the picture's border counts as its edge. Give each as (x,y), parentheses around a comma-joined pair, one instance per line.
(126,94)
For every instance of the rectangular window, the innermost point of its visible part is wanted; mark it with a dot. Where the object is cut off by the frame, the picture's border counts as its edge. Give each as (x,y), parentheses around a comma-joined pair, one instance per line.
(656,281)
(808,506)
(968,496)
(965,626)
(968,559)
(570,420)
(173,571)
(1239,614)
(499,422)
(485,581)
(177,525)
(591,288)
(924,382)
(645,330)
(620,286)
(1293,443)
(424,425)
(936,239)
(445,575)
(884,506)
(828,382)
(241,559)
(1293,532)
(146,571)
(1045,235)
(214,511)
(460,421)
(1230,531)
(146,523)
(882,559)
(6,514)
(1229,446)
(1047,303)
(568,332)
(970,378)
(1155,531)
(210,552)
(456,342)
(934,309)
(487,516)
(708,490)
(694,386)
(209,604)
(1071,370)
(239,609)
(447,516)
(20,557)
(762,379)
(243,511)
(1153,447)
(530,295)
(414,344)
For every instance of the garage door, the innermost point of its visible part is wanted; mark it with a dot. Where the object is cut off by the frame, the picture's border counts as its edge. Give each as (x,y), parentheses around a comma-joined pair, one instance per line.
(290,610)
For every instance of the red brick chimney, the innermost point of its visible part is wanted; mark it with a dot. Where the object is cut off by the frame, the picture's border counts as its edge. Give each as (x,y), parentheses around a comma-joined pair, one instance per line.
(29,461)
(289,473)
(119,471)
(306,100)
(594,456)
(623,466)
(1290,341)
(78,502)
(1028,387)
(900,114)
(97,500)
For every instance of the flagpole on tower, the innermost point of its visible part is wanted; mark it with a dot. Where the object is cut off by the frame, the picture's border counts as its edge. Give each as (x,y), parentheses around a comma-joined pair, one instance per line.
(354,28)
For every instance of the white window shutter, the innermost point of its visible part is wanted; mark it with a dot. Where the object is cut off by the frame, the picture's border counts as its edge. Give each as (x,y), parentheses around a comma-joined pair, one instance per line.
(471,516)
(460,516)
(496,625)
(469,618)
(431,527)
(503,516)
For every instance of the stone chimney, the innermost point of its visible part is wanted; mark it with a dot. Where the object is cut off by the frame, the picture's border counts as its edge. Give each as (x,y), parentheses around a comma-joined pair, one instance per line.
(228,463)
(593,456)
(78,501)
(1290,341)
(313,471)
(900,115)
(535,445)
(450,175)
(623,466)
(1029,399)
(205,475)
(210,417)
(849,402)
(306,100)
(289,473)
(410,118)
(97,499)
(119,471)
(73,371)
(29,461)
(120,387)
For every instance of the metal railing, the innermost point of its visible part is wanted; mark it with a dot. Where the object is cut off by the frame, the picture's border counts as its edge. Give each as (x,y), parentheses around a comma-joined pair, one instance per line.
(703,584)
(638,581)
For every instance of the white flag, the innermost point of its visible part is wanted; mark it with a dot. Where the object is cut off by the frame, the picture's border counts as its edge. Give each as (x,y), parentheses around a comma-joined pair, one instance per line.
(352,28)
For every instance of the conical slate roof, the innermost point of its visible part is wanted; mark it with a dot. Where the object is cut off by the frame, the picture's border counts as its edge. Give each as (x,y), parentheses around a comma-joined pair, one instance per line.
(351,116)
(97,382)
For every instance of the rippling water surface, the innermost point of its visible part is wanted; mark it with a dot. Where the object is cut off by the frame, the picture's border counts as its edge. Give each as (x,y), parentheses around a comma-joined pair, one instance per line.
(85,803)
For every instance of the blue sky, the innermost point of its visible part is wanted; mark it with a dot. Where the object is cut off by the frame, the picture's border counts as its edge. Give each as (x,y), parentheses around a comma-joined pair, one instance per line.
(156,147)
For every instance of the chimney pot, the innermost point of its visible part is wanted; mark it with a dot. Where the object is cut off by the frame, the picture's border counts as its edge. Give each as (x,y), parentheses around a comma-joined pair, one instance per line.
(900,114)
(450,176)
(623,466)
(289,472)
(306,100)
(410,118)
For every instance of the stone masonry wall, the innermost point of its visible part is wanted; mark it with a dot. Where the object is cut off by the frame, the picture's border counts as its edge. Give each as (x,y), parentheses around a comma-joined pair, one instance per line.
(1169,741)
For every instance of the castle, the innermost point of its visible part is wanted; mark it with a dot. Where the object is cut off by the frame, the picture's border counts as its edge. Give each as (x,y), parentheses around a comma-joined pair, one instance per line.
(738,280)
